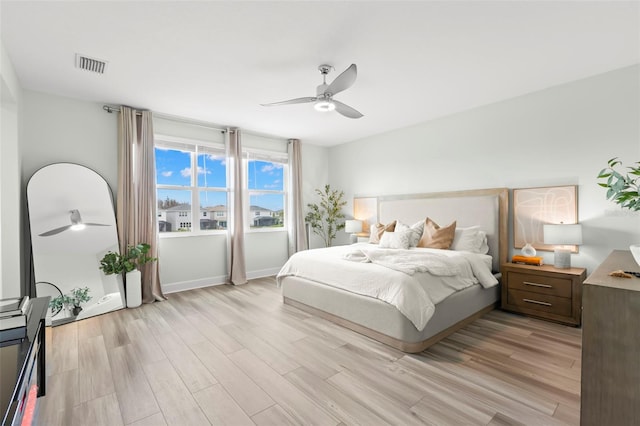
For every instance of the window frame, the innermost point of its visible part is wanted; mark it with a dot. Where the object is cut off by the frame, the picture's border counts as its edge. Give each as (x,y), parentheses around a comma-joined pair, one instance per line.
(176,143)
(269,156)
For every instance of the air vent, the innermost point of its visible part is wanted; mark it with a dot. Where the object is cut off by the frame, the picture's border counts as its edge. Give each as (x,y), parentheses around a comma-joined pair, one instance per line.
(90,64)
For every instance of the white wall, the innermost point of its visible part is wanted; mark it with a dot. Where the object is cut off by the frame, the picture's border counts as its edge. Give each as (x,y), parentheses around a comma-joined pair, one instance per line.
(61,129)
(11,280)
(560,136)
(315,175)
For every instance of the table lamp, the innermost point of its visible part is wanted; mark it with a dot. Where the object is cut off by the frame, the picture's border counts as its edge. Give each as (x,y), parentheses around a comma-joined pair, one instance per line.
(561,235)
(353,227)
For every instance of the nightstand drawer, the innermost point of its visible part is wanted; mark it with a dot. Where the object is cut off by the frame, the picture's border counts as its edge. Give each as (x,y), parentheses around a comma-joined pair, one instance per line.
(552,286)
(539,302)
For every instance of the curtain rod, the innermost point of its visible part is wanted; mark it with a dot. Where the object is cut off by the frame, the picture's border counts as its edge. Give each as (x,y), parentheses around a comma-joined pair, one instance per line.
(111,109)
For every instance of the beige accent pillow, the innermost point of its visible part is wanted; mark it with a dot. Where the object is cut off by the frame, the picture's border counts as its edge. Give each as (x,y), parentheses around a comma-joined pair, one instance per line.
(436,237)
(378,229)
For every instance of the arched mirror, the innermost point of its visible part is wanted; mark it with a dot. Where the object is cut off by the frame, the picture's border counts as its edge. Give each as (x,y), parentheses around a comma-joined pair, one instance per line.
(73,226)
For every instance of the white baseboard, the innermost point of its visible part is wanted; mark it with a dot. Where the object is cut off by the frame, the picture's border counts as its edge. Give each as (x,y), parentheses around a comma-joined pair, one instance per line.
(208,282)
(193,284)
(251,275)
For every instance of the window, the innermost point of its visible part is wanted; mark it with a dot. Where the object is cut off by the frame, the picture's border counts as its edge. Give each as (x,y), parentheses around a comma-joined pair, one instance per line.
(191,181)
(266,177)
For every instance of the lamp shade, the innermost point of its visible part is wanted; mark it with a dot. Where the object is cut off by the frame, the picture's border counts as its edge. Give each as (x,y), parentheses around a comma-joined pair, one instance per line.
(563,234)
(352,226)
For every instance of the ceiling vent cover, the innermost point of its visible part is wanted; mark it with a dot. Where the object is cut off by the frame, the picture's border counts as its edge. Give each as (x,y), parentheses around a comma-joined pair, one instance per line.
(90,64)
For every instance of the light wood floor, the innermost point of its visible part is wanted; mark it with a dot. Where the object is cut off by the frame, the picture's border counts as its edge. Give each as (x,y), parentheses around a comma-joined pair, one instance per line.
(238,356)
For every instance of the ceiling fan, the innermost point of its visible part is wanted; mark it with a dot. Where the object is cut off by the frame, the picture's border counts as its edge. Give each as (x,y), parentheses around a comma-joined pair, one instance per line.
(324,93)
(76,225)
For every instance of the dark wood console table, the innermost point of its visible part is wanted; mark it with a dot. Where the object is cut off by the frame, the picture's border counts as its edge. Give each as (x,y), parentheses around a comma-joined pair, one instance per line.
(23,367)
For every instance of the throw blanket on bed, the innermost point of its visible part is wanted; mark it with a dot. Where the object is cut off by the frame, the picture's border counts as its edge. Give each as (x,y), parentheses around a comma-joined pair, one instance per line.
(414,291)
(412,261)
(409,263)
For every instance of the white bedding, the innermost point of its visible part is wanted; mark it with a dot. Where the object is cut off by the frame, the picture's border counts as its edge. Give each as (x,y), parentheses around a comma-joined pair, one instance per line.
(398,277)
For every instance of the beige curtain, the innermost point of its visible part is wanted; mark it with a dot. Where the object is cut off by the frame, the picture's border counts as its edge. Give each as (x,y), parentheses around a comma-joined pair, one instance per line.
(236,260)
(297,230)
(136,200)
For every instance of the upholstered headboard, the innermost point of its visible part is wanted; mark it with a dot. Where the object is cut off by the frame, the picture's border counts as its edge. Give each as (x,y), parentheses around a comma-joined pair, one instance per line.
(487,208)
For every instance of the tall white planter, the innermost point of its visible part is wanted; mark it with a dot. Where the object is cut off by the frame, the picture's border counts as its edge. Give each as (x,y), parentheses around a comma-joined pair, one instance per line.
(134,289)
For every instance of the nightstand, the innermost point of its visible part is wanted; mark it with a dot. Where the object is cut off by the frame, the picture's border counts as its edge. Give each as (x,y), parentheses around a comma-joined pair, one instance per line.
(544,292)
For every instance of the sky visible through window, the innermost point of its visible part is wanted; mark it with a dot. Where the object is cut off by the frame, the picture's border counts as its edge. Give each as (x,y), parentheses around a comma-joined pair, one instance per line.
(173,167)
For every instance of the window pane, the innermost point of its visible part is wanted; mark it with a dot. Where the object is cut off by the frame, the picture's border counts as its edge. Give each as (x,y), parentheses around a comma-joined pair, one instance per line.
(212,168)
(266,210)
(265,175)
(173,167)
(213,210)
(174,210)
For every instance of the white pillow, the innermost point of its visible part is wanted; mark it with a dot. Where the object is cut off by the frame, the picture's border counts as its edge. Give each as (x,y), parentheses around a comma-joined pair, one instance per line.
(416,231)
(396,239)
(470,239)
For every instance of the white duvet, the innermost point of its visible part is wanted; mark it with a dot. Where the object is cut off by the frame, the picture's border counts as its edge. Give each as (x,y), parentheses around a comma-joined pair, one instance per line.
(413,280)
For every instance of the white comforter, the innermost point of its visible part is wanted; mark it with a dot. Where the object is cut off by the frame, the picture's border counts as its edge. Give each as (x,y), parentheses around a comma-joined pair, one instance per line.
(413,280)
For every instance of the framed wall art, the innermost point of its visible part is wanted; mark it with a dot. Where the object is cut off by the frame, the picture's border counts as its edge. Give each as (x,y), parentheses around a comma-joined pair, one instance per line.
(534,207)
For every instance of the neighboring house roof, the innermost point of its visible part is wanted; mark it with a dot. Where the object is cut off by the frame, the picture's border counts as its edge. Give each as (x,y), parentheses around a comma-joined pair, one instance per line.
(218,208)
(254,208)
(179,207)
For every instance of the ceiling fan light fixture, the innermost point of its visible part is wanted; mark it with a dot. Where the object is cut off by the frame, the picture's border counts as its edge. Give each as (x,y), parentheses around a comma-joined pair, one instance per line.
(78,227)
(324,105)
(76,221)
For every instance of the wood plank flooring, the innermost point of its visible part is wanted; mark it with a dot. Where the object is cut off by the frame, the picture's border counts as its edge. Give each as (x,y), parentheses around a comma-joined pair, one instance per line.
(229,355)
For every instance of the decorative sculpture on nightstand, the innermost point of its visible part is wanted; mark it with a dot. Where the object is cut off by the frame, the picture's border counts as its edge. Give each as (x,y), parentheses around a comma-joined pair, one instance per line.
(528,250)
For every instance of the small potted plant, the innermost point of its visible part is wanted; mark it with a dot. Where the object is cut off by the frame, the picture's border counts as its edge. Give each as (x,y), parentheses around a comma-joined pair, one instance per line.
(79,296)
(622,188)
(60,303)
(128,264)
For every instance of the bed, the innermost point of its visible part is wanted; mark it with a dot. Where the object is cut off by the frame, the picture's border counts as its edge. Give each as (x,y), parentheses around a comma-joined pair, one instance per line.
(320,294)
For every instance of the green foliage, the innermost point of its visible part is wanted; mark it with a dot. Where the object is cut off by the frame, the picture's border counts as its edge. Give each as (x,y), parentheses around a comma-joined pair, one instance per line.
(111,263)
(167,203)
(75,297)
(59,302)
(326,219)
(622,189)
(79,296)
(116,263)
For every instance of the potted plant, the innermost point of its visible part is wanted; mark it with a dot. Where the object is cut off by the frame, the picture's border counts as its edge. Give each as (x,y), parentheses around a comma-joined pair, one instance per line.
(326,219)
(70,301)
(60,303)
(128,264)
(622,188)
(79,296)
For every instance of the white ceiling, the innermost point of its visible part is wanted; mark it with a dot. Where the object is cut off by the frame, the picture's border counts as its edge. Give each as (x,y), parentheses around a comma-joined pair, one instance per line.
(217,61)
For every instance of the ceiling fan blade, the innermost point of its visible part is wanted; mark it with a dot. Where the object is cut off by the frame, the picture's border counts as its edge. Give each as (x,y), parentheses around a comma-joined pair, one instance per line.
(292,101)
(54,231)
(97,224)
(343,81)
(346,110)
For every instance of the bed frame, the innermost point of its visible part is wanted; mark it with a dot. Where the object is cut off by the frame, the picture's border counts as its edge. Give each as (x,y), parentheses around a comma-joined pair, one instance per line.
(383,322)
